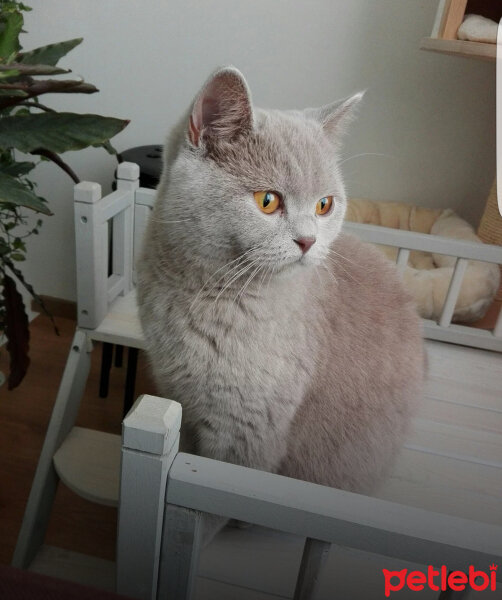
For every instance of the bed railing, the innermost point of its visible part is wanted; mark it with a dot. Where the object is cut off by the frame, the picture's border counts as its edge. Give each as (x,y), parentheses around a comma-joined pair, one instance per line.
(463,251)
(165,494)
(108,234)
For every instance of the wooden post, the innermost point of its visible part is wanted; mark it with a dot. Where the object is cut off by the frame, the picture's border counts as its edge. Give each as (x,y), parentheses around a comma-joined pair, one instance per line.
(314,556)
(181,542)
(127,179)
(44,486)
(91,239)
(453,18)
(403,254)
(453,292)
(150,441)
(143,204)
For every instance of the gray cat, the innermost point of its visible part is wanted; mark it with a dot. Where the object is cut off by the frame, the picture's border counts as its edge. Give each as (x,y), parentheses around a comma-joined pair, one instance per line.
(292,348)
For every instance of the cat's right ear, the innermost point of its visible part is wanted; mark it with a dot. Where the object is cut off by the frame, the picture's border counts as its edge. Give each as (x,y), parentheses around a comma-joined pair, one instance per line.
(222,109)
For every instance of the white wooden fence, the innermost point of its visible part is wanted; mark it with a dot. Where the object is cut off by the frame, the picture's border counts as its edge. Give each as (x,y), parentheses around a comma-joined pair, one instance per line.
(165,494)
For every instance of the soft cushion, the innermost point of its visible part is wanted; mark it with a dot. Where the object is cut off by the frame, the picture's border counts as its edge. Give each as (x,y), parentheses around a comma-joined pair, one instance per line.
(427,275)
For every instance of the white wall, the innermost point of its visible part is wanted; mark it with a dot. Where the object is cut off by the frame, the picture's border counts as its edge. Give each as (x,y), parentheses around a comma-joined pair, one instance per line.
(429,117)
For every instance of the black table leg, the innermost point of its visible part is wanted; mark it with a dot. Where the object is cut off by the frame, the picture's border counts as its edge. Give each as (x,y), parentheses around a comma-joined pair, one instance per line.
(119,354)
(106,365)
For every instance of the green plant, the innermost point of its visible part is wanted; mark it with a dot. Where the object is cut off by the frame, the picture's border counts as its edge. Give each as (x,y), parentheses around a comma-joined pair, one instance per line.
(30,127)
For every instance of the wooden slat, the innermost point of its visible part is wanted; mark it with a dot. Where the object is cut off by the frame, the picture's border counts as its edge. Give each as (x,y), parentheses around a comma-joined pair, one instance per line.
(402,258)
(445,485)
(314,558)
(460,48)
(439,22)
(453,292)
(497,331)
(463,335)
(452,413)
(212,589)
(181,540)
(376,234)
(464,443)
(454,16)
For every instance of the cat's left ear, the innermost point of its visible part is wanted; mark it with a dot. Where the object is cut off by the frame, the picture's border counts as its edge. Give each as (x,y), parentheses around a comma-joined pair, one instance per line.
(222,109)
(335,118)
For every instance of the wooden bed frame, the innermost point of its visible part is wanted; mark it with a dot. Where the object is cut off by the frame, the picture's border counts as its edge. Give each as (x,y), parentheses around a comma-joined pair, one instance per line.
(440,505)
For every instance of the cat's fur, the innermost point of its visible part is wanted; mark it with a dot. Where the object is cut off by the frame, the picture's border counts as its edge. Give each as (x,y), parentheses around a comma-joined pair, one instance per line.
(312,366)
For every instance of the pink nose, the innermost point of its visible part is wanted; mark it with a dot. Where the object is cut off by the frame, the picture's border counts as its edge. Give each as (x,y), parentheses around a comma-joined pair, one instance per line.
(305,243)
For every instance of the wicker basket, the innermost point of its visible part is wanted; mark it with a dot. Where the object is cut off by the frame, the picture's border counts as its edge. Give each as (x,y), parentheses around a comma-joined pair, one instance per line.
(490,227)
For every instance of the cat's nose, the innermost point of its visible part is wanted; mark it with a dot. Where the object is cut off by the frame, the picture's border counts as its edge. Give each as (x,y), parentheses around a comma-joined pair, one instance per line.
(305,243)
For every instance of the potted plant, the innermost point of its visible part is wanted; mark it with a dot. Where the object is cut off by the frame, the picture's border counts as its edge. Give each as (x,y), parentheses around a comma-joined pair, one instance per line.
(29,126)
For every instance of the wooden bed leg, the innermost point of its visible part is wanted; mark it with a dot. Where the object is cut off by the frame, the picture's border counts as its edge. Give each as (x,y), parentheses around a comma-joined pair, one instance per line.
(44,486)
(181,542)
(315,553)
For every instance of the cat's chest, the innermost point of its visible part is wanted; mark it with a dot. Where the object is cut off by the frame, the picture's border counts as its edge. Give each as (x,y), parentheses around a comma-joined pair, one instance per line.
(254,345)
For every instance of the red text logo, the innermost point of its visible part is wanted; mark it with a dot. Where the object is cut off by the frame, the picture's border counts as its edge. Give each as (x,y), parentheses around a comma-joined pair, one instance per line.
(440,580)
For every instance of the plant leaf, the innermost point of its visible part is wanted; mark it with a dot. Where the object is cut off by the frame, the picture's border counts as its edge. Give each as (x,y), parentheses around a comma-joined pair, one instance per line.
(25,70)
(15,192)
(48,55)
(17,169)
(38,299)
(57,132)
(9,38)
(17,332)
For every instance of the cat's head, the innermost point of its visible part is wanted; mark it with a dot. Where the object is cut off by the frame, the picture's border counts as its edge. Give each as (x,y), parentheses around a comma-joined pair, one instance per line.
(262,182)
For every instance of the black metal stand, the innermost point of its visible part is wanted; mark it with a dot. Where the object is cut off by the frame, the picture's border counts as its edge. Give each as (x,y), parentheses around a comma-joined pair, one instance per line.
(106,365)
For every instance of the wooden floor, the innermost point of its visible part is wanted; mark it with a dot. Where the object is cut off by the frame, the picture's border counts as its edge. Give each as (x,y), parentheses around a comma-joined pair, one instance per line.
(24,414)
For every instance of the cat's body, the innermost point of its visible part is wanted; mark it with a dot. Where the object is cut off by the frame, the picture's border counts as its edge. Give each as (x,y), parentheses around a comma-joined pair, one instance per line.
(303,362)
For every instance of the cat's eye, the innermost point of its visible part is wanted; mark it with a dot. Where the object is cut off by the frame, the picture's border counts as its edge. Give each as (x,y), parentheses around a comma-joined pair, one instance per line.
(268,202)
(323,206)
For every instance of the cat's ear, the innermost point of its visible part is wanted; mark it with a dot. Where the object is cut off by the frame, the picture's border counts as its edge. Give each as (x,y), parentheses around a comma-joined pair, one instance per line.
(222,109)
(335,118)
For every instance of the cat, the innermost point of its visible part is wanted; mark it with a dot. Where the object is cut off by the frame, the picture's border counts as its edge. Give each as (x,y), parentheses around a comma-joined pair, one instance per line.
(292,347)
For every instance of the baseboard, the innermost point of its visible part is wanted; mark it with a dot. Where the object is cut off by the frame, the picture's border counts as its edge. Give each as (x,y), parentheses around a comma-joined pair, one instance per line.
(65,309)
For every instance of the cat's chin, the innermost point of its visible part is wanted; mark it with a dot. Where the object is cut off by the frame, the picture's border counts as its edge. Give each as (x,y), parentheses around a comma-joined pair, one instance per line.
(292,268)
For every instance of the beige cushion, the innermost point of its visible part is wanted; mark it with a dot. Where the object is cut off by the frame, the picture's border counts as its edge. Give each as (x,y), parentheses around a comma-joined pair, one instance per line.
(427,275)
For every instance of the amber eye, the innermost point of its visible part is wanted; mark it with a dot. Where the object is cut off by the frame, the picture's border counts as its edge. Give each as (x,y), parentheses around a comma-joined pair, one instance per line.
(324,204)
(268,202)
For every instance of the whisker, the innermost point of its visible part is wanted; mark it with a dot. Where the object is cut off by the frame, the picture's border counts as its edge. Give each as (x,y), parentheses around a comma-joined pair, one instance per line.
(235,277)
(366,154)
(239,260)
(339,265)
(331,251)
(239,295)
(165,222)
